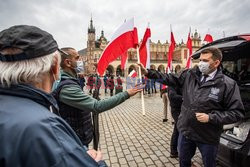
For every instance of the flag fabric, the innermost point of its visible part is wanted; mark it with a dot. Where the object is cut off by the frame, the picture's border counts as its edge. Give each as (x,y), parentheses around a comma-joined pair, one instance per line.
(124,58)
(208,38)
(170,52)
(144,49)
(190,51)
(124,38)
(132,74)
(164,87)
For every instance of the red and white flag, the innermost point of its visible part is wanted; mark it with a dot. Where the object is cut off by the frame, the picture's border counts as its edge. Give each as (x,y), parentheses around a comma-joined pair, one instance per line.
(190,51)
(164,87)
(132,74)
(124,60)
(170,52)
(144,49)
(124,38)
(208,38)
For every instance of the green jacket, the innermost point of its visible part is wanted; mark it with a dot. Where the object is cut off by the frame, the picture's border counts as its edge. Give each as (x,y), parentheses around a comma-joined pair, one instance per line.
(73,95)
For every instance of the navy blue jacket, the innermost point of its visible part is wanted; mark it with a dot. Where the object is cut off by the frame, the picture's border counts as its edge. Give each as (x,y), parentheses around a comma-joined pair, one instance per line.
(32,136)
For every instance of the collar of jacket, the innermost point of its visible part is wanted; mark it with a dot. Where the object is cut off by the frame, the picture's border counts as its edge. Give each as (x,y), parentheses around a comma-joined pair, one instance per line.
(65,75)
(32,93)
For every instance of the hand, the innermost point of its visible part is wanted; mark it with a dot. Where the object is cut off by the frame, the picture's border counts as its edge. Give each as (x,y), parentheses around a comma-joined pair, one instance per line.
(135,90)
(92,153)
(143,70)
(96,155)
(202,117)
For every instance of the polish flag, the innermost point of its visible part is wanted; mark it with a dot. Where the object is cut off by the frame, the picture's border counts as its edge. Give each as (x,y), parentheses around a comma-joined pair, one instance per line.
(124,38)
(124,60)
(144,49)
(164,87)
(208,38)
(189,46)
(132,74)
(170,52)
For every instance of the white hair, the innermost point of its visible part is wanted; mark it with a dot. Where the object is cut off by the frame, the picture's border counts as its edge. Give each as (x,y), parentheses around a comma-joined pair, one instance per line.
(27,71)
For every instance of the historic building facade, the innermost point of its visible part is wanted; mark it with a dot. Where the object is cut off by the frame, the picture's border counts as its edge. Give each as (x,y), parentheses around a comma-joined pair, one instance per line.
(158,53)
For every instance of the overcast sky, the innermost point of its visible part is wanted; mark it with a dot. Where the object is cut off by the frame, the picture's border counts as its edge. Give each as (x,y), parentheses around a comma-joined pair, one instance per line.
(68,20)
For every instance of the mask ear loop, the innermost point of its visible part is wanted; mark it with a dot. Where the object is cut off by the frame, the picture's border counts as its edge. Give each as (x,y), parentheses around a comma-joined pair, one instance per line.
(51,108)
(53,75)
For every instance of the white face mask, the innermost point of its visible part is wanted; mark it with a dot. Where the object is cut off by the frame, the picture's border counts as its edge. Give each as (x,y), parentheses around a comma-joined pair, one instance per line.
(79,66)
(56,82)
(204,67)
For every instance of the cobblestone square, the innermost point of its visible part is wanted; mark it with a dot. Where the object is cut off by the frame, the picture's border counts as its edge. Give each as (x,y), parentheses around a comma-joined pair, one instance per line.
(128,138)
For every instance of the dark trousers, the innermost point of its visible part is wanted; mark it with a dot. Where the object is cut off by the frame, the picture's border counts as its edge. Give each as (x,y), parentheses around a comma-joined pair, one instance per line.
(111,92)
(175,112)
(187,148)
(174,141)
(106,86)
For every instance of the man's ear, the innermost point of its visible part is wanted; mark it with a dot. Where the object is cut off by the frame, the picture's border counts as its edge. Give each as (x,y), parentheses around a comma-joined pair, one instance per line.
(67,63)
(56,67)
(217,63)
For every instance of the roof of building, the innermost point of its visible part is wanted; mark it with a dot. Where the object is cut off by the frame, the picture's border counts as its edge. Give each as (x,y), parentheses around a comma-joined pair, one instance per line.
(83,52)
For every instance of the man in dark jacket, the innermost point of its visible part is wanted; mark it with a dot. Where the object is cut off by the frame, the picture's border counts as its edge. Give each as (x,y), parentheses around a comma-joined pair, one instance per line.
(210,100)
(31,135)
(105,81)
(75,105)
(175,99)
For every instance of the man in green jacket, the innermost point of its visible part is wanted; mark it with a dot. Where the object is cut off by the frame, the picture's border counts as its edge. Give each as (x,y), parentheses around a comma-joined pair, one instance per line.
(76,106)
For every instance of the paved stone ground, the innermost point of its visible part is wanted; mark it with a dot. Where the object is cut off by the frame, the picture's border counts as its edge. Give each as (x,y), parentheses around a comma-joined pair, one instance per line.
(130,139)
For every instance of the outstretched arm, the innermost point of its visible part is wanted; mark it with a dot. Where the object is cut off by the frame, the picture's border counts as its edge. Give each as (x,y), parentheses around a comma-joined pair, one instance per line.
(166,79)
(75,97)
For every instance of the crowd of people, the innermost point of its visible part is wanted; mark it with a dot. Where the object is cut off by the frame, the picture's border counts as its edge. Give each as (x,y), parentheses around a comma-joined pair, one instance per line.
(109,82)
(44,128)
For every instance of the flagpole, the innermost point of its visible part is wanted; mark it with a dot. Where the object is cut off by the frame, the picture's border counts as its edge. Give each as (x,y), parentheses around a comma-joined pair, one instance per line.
(140,77)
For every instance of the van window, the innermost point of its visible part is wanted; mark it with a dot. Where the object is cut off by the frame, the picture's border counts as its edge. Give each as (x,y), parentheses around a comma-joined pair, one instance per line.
(239,70)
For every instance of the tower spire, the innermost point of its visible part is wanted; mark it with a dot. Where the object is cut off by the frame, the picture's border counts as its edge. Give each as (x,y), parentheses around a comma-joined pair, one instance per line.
(91,28)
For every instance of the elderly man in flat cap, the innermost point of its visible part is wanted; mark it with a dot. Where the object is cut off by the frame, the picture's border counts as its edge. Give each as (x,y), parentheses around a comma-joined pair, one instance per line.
(31,134)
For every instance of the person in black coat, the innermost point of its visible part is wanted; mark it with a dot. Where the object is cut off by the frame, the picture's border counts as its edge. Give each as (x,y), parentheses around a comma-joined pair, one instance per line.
(210,100)
(175,98)
(105,80)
